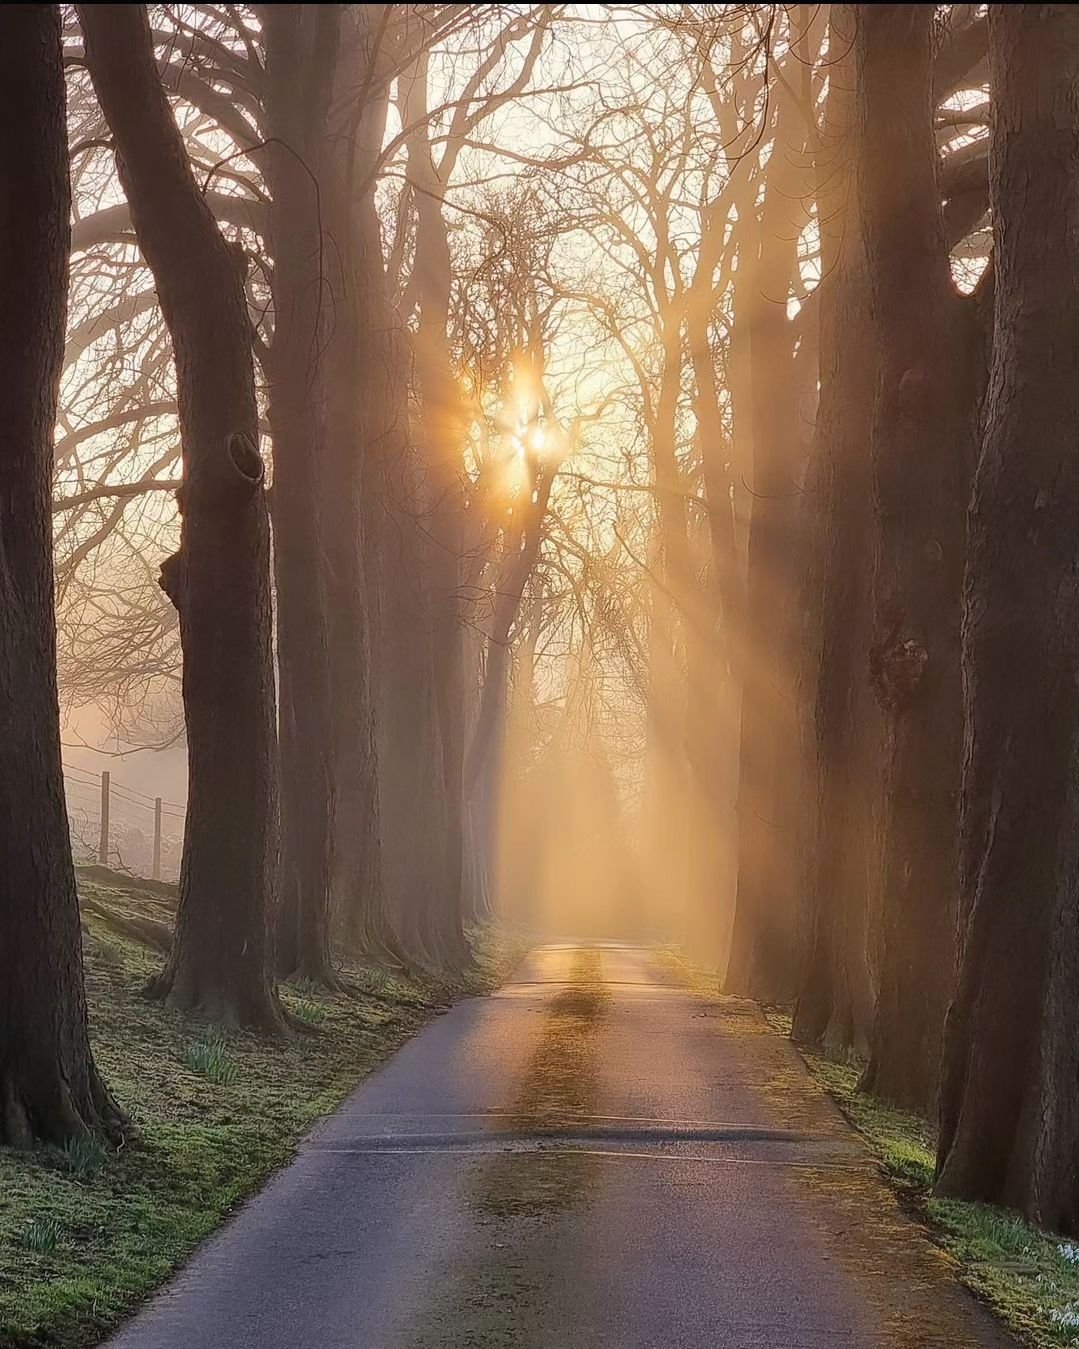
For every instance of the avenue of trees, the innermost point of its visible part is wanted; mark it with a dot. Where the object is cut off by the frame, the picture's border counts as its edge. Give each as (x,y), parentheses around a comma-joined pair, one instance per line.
(609,466)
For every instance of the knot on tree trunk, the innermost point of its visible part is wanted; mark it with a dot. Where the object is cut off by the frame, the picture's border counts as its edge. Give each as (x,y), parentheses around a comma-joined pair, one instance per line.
(171,579)
(896,668)
(912,392)
(244,459)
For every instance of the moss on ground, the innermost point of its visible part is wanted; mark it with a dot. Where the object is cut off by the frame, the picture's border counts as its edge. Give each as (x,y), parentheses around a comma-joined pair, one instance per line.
(1029,1277)
(85,1234)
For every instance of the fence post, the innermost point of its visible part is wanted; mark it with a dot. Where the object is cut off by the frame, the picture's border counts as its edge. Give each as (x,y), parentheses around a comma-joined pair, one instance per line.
(103,839)
(157,838)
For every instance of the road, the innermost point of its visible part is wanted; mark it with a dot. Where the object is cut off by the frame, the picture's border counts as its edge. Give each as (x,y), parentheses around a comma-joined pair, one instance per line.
(592,1158)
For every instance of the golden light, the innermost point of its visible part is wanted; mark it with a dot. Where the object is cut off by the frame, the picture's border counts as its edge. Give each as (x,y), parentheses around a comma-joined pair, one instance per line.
(517,469)
(527,435)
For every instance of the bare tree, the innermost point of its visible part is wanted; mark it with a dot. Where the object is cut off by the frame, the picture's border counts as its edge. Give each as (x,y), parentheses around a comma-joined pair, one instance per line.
(931,359)
(219,580)
(835,999)
(1009,1110)
(49,1086)
(302,44)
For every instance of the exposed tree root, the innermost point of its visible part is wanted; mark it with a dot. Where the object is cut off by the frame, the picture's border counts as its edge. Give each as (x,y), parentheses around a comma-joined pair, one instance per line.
(146,931)
(320,974)
(38,1104)
(256,1009)
(378,944)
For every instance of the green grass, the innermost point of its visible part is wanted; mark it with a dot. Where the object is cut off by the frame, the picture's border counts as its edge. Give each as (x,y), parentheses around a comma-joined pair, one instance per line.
(42,1235)
(1029,1277)
(86,1233)
(210,1057)
(309,1012)
(83,1157)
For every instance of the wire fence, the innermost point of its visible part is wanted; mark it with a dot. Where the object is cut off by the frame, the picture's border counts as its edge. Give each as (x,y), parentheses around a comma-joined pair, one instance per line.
(122,828)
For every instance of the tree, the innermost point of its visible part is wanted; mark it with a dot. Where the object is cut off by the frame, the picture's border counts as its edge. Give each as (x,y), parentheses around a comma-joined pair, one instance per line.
(49,1087)
(219,580)
(1009,1108)
(667,192)
(922,447)
(301,53)
(364,373)
(430,645)
(834,1007)
(763,942)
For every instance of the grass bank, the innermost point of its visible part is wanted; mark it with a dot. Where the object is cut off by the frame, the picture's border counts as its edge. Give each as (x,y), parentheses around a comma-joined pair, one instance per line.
(1029,1277)
(85,1234)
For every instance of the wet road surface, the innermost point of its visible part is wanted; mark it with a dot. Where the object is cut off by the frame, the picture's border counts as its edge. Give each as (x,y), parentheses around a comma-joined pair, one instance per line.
(592,1158)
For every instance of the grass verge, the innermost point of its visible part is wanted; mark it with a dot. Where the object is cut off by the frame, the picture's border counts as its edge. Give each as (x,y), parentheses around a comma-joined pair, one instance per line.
(1029,1277)
(86,1233)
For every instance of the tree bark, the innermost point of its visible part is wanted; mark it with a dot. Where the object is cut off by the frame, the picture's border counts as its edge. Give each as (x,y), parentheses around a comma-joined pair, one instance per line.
(359,360)
(517,568)
(411,756)
(222,956)
(49,1088)
(835,1000)
(763,941)
(675,657)
(301,49)
(1009,1106)
(922,446)
(443,436)
(712,665)
(412,825)
(666,786)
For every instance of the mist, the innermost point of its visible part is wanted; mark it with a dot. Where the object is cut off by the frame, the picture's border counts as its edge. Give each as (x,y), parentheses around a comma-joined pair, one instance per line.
(562,516)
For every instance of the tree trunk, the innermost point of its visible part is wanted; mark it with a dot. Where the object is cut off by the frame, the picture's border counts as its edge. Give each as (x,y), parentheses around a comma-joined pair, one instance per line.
(762,962)
(443,437)
(412,822)
(221,961)
(413,797)
(709,732)
(711,737)
(49,1088)
(678,666)
(922,447)
(666,785)
(1009,1106)
(514,852)
(835,999)
(486,810)
(357,361)
(301,46)
(359,886)
(407,753)
(518,565)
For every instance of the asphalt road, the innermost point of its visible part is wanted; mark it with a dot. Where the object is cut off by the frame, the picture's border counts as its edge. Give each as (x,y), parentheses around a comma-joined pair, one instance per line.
(590,1159)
